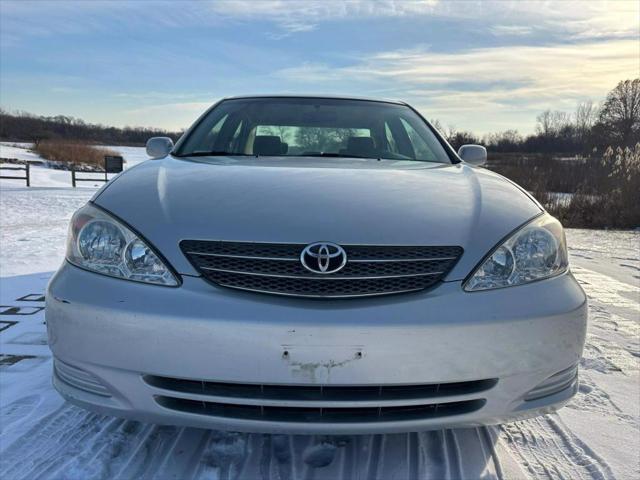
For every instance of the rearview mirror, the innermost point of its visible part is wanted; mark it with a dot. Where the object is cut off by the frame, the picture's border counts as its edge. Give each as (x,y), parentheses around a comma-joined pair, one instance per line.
(159,147)
(473,154)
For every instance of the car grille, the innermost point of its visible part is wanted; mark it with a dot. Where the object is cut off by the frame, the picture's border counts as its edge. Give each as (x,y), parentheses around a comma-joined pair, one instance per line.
(320,403)
(276,268)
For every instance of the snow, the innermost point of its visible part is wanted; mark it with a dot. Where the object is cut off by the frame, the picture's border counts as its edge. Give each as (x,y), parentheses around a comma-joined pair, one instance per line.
(132,155)
(22,151)
(19,151)
(597,436)
(41,176)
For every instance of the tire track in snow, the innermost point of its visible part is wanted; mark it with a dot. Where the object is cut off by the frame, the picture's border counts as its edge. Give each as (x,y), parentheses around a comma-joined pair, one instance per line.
(70,443)
(155,445)
(17,411)
(375,447)
(186,455)
(438,455)
(592,398)
(490,437)
(472,453)
(59,437)
(133,460)
(104,453)
(452,453)
(60,462)
(548,449)
(413,455)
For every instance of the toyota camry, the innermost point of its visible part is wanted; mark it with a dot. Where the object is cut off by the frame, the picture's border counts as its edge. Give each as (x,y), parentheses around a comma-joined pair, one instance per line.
(315,265)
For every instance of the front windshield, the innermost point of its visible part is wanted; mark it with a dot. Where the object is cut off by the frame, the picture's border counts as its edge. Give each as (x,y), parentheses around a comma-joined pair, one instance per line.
(310,127)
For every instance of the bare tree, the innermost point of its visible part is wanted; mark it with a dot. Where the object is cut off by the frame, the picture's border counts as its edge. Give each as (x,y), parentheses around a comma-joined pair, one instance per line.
(543,123)
(451,132)
(585,117)
(620,113)
(552,123)
(437,125)
(462,137)
(37,136)
(509,140)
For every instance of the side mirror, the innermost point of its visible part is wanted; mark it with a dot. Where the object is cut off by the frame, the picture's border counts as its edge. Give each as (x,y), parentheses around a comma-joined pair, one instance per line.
(473,154)
(159,147)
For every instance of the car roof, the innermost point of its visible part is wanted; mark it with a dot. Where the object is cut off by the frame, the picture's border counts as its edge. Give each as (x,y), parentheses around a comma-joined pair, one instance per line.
(337,97)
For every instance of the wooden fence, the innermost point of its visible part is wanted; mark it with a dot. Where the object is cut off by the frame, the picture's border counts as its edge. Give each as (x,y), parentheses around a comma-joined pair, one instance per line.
(75,178)
(112,164)
(25,167)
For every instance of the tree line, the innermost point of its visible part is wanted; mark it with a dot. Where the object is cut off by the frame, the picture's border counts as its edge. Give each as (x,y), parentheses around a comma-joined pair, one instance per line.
(26,127)
(616,122)
(591,127)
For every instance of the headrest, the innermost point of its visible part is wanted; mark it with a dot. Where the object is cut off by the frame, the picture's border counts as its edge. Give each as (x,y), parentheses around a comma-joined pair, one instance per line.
(360,144)
(267,145)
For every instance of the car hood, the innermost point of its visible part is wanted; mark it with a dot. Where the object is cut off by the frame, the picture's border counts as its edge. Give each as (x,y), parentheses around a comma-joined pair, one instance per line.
(305,200)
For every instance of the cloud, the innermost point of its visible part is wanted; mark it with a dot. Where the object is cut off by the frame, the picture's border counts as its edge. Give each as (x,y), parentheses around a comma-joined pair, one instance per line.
(483,82)
(294,16)
(156,96)
(518,30)
(578,19)
(527,56)
(173,116)
(21,19)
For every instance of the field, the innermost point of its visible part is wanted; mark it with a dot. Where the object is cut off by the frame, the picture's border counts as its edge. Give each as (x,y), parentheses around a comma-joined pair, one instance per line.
(596,437)
(73,154)
(579,191)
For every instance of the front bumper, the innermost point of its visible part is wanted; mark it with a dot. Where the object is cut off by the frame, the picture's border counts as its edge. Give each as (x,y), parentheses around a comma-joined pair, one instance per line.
(110,336)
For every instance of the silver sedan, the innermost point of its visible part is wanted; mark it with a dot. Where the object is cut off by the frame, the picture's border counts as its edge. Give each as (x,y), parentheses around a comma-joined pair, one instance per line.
(315,265)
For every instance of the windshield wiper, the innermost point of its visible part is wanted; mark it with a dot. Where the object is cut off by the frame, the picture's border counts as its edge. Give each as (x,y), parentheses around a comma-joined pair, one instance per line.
(334,155)
(215,153)
(220,153)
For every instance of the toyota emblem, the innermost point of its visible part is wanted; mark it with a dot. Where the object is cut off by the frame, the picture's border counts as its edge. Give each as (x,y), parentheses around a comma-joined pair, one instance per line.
(323,257)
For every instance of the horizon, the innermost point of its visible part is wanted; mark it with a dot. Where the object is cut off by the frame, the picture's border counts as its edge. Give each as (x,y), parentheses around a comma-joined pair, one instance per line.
(150,64)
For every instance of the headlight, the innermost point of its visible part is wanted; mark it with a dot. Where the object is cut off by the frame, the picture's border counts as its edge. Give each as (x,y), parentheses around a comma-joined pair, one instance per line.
(99,243)
(536,251)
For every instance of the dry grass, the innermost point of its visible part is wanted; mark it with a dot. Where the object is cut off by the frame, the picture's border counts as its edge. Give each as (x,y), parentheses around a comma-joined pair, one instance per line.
(73,153)
(609,200)
(603,190)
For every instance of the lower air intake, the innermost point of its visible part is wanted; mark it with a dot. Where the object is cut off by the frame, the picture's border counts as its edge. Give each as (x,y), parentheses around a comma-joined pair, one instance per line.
(320,415)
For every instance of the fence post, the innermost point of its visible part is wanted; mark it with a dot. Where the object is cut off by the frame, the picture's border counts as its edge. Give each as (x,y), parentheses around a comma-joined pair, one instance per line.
(73,177)
(28,174)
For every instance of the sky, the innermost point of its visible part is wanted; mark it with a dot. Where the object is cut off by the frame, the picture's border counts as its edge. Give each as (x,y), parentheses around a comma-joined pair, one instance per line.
(478,66)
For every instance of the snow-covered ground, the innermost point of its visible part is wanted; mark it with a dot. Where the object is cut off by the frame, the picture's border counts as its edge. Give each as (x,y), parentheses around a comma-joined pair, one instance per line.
(21,151)
(596,437)
(46,177)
